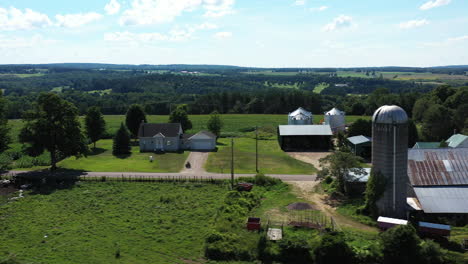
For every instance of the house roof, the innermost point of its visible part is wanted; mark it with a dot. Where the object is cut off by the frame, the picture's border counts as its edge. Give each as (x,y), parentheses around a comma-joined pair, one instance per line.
(455,140)
(438,167)
(166,129)
(305,130)
(426,145)
(449,199)
(356,140)
(203,133)
(302,111)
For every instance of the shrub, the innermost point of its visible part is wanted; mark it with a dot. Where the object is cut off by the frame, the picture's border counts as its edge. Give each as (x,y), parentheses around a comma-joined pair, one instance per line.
(5,161)
(400,245)
(226,246)
(431,253)
(262,180)
(295,249)
(333,249)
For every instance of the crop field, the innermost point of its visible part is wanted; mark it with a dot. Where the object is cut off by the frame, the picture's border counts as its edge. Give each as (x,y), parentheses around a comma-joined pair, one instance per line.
(111,222)
(21,75)
(271,158)
(234,125)
(320,87)
(102,160)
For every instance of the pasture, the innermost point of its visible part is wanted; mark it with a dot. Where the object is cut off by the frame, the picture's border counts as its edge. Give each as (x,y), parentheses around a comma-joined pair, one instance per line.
(102,160)
(234,124)
(272,160)
(111,222)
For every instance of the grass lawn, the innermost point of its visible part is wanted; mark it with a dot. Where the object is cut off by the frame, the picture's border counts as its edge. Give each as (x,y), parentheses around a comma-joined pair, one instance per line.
(91,222)
(233,124)
(271,158)
(103,161)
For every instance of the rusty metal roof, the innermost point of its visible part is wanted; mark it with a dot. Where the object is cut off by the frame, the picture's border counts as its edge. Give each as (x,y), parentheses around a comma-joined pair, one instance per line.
(438,167)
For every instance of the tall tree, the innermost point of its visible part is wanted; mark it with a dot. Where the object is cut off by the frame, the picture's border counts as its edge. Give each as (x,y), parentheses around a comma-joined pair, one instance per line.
(4,130)
(413,135)
(121,144)
(53,125)
(360,127)
(215,124)
(339,164)
(95,124)
(179,115)
(135,115)
(437,123)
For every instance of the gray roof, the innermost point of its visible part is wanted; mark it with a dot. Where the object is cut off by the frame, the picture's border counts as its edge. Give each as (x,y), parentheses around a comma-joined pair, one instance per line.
(302,111)
(455,140)
(451,199)
(356,140)
(426,145)
(305,130)
(335,111)
(389,114)
(166,129)
(353,177)
(438,167)
(206,133)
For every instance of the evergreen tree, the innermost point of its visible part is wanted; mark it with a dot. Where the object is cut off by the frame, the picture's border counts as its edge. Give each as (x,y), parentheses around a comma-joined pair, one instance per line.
(4,130)
(95,124)
(53,125)
(179,115)
(135,115)
(121,144)
(437,123)
(215,124)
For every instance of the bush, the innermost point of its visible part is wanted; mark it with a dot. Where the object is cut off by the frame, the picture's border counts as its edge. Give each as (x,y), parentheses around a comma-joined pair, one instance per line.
(226,246)
(400,245)
(262,180)
(5,161)
(295,249)
(431,253)
(333,249)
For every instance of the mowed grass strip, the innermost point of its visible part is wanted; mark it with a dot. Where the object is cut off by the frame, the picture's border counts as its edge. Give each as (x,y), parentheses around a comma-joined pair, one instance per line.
(272,160)
(102,160)
(91,222)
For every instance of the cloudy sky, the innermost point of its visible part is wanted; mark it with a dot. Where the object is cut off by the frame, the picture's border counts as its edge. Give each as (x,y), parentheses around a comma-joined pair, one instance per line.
(263,33)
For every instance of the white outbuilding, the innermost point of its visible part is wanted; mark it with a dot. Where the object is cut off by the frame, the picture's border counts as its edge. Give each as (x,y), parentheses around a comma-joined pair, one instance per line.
(300,117)
(335,119)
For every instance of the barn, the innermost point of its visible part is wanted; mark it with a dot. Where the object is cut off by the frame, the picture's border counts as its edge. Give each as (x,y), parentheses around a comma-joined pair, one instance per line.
(304,137)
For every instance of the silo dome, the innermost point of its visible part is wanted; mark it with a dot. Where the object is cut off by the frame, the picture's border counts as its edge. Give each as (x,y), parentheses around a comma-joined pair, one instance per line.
(390,114)
(336,119)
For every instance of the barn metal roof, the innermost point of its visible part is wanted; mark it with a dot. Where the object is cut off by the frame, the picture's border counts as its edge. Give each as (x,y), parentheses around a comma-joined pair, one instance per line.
(438,167)
(389,114)
(305,130)
(451,199)
(389,220)
(435,226)
(426,145)
(356,140)
(353,177)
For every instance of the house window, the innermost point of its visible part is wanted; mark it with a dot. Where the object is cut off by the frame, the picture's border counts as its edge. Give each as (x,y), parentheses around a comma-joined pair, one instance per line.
(169,143)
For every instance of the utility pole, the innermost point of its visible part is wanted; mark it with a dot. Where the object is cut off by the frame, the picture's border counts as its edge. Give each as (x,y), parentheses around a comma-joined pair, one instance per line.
(232,163)
(256,149)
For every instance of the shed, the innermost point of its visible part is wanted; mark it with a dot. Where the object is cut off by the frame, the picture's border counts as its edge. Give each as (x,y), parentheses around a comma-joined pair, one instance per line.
(385,223)
(304,137)
(360,145)
(458,141)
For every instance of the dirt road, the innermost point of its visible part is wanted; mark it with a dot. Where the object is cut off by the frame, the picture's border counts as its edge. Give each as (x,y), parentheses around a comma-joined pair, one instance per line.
(309,157)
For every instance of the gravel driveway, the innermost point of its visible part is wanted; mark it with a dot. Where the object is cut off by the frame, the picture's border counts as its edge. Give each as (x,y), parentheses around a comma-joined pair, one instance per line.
(197,161)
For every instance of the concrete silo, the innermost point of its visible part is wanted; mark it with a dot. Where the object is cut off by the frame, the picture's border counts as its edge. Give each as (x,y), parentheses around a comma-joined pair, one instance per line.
(390,157)
(336,119)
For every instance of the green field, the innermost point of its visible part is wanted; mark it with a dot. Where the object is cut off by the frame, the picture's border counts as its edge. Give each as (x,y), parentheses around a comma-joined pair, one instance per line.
(21,75)
(295,85)
(234,125)
(272,159)
(102,160)
(320,87)
(92,222)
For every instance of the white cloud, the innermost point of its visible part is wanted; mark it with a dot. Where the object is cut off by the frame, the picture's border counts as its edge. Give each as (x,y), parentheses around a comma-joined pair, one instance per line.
(447,42)
(319,9)
(434,3)
(112,8)
(339,22)
(8,42)
(462,38)
(150,12)
(15,19)
(77,20)
(413,24)
(299,2)
(223,35)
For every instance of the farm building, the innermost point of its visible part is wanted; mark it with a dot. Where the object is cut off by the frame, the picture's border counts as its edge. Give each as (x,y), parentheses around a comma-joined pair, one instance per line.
(439,178)
(304,137)
(336,120)
(170,137)
(300,117)
(426,145)
(356,183)
(360,145)
(458,141)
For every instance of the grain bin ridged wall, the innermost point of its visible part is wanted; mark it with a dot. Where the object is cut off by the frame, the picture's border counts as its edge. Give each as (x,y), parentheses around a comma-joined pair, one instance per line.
(390,157)
(336,119)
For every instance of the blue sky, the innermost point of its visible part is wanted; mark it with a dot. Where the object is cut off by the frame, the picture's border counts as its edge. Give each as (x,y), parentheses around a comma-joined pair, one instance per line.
(268,33)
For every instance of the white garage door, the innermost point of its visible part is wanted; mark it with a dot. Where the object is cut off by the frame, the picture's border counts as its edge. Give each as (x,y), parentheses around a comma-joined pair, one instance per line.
(202,144)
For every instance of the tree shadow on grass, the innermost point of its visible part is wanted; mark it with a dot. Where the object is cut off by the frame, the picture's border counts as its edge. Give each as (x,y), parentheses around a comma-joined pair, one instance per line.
(47,181)
(96,151)
(123,156)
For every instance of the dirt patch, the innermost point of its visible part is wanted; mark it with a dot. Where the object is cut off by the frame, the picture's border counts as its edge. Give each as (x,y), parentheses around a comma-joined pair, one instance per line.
(7,190)
(309,157)
(305,190)
(301,206)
